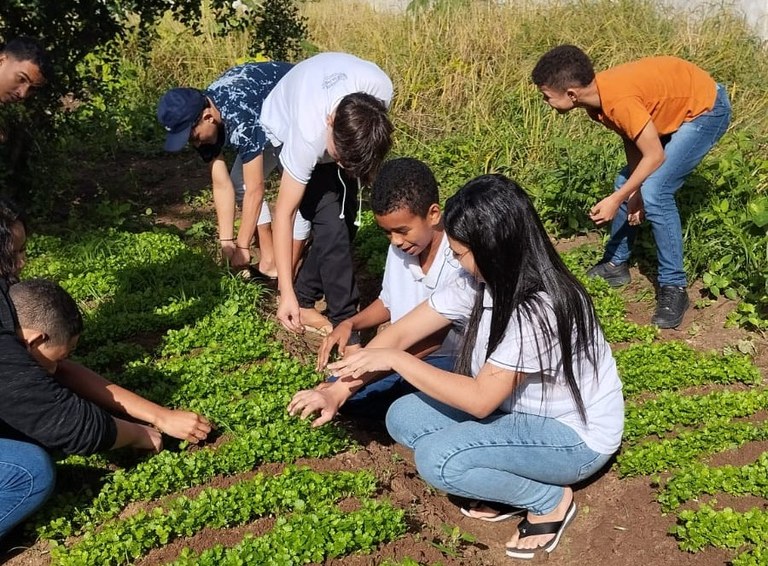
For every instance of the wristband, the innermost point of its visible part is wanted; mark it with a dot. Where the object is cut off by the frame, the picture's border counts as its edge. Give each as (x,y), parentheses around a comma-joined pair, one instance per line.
(226,239)
(242,247)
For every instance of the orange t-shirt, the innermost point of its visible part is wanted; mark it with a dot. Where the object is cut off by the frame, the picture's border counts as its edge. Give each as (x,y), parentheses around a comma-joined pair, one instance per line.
(667,90)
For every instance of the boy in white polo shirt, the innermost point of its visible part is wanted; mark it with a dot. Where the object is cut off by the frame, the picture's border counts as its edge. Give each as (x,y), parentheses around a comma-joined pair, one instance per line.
(405,204)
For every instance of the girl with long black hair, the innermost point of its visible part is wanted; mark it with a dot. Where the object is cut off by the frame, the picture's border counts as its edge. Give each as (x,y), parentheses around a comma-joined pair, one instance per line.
(535,403)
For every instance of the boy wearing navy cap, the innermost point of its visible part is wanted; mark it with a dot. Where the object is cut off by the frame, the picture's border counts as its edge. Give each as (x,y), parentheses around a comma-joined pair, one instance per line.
(328,119)
(227,114)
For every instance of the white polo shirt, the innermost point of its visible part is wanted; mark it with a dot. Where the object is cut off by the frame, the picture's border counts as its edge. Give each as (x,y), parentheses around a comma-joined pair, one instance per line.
(405,286)
(517,351)
(295,112)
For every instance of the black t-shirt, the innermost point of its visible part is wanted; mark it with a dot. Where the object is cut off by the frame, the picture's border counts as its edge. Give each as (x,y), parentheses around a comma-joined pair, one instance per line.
(35,407)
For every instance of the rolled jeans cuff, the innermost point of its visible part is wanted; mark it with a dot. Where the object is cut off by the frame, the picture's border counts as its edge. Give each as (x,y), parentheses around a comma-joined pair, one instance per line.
(354,338)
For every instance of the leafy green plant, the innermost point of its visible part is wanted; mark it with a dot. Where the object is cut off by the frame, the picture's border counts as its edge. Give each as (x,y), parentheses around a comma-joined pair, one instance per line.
(669,411)
(719,434)
(294,489)
(673,366)
(696,479)
(453,540)
(320,533)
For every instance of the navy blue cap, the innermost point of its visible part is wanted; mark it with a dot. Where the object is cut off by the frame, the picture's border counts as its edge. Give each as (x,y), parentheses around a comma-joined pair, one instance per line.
(178,111)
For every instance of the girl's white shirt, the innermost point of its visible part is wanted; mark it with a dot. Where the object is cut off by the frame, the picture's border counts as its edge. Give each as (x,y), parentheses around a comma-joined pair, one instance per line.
(517,351)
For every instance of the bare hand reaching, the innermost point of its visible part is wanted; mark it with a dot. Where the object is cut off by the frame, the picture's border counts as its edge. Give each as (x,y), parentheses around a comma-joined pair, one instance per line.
(184,425)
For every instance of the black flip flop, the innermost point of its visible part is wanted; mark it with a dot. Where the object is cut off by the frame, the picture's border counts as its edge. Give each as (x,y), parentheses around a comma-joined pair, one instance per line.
(503,510)
(528,529)
(256,275)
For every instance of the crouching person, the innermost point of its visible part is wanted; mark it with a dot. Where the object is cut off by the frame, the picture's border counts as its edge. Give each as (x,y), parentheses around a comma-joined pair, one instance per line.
(62,406)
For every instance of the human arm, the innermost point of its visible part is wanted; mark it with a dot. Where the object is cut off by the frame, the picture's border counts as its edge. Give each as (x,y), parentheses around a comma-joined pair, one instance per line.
(184,425)
(135,435)
(253,177)
(410,331)
(647,155)
(479,396)
(289,197)
(373,315)
(224,202)
(635,200)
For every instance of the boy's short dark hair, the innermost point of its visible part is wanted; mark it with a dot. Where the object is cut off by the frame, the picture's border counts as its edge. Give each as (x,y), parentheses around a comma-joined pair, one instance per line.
(404,183)
(45,306)
(362,134)
(28,49)
(563,67)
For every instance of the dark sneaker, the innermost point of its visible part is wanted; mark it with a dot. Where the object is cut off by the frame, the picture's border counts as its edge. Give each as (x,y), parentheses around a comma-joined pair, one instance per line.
(615,275)
(670,307)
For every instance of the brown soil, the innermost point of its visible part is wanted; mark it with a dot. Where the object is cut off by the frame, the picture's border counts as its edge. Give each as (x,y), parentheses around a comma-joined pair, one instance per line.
(619,523)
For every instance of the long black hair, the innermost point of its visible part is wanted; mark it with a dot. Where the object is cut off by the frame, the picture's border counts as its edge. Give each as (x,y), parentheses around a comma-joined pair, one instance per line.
(10,214)
(493,216)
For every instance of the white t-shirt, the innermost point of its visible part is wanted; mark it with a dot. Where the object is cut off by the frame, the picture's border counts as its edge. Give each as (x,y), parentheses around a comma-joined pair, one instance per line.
(517,351)
(405,286)
(295,113)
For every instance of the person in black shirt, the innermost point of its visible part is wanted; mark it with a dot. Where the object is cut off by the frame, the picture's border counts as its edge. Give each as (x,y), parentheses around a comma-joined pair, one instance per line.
(51,403)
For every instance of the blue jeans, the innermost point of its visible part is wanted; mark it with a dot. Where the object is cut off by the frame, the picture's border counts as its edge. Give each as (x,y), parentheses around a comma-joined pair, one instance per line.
(27,477)
(684,150)
(373,400)
(515,458)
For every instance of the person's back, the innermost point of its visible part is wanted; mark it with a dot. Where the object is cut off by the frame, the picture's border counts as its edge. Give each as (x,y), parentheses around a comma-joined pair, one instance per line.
(239,93)
(296,112)
(669,89)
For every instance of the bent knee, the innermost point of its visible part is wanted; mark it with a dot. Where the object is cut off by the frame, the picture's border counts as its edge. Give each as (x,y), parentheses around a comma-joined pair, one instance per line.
(42,470)
(400,422)
(655,200)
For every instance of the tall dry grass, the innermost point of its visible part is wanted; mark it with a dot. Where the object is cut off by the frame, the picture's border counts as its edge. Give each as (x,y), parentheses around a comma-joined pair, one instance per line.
(462,74)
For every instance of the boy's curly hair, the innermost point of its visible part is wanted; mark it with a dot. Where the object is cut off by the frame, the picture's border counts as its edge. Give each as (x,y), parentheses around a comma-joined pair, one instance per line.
(563,67)
(404,183)
(362,134)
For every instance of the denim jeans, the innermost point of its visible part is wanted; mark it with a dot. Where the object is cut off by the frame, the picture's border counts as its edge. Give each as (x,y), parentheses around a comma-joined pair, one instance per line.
(373,400)
(683,150)
(515,458)
(27,477)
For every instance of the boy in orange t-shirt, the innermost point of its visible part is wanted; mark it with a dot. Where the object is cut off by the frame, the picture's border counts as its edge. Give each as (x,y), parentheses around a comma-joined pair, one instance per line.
(669,113)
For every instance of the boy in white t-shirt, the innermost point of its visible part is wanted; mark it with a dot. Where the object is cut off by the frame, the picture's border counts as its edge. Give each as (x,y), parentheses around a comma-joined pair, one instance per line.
(328,118)
(405,204)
